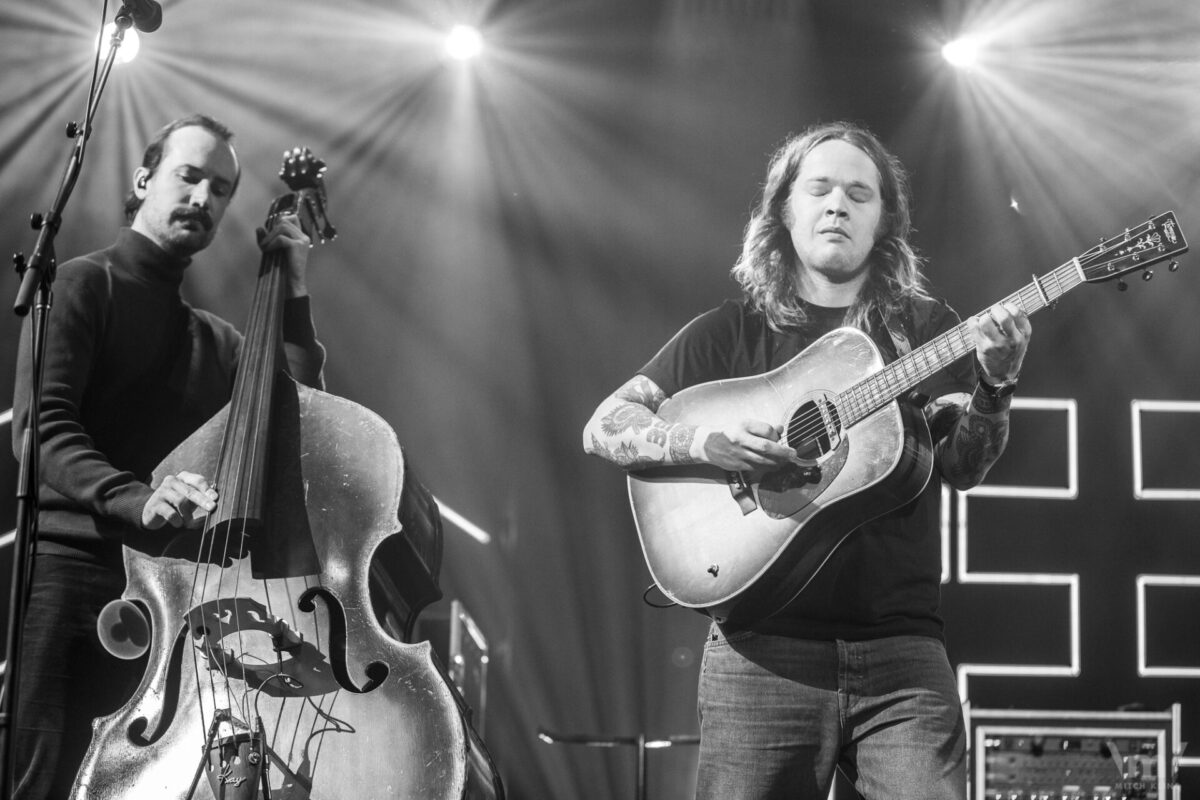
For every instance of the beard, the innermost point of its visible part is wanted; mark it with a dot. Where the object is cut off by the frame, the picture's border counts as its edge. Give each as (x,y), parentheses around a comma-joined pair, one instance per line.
(188,231)
(192,215)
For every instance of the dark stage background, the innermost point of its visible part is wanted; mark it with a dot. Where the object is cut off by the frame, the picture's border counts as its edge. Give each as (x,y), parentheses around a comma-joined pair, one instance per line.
(519,234)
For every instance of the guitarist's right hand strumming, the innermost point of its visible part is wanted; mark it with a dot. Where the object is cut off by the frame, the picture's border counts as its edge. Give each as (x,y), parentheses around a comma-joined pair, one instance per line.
(745,445)
(626,431)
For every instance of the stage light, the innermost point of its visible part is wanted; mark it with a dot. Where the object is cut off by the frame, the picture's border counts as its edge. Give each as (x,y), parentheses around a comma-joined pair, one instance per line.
(962,52)
(129,45)
(463,43)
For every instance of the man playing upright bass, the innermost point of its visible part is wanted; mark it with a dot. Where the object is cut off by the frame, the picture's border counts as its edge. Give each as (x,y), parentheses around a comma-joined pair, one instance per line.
(131,370)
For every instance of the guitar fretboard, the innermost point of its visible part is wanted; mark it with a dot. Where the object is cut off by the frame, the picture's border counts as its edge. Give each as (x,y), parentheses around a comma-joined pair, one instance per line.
(900,376)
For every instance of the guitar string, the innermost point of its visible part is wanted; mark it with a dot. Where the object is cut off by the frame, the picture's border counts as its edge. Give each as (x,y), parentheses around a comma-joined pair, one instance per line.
(864,397)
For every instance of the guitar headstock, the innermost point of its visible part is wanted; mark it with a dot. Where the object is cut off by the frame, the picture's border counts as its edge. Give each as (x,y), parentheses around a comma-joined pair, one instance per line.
(304,174)
(1157,239)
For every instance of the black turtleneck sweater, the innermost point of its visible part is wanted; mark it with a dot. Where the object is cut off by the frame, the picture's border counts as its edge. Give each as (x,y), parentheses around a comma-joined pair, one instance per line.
(130,372)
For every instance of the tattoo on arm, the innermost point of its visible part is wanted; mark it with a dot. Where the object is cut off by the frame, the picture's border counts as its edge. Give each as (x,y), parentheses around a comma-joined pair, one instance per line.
(626,455)
(666,444)
(658,432)
(977,444)
(943,413)
(627,417)
(642,391)
(973,447)
(984,403)
(629,433)
(681,437)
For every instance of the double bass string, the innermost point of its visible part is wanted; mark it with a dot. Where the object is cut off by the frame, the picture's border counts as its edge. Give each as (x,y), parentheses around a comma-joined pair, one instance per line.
(247,429)
(254,378)
(262,376)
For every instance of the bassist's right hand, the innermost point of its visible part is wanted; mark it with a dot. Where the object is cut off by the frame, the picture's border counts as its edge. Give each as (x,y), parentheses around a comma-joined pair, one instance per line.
(746,445)
(181,501)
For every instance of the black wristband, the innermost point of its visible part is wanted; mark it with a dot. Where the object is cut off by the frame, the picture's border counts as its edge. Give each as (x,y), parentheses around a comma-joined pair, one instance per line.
(1000,390)
(989,399)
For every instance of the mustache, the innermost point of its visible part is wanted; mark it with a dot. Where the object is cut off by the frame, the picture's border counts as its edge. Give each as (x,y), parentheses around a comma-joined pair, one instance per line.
(191,214)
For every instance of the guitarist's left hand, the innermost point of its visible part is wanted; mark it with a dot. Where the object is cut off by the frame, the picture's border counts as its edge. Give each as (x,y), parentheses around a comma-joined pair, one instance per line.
(1001,338)
(981,433)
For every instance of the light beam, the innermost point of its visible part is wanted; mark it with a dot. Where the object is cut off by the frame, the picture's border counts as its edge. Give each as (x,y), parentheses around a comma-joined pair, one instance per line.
(962,52)
(129,45)
(464,43)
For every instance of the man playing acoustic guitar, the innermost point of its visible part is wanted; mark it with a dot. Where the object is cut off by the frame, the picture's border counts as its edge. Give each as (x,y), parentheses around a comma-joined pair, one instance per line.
(852,671)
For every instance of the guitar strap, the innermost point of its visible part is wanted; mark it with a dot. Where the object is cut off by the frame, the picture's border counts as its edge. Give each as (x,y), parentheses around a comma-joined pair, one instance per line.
(895,331)
(893,324)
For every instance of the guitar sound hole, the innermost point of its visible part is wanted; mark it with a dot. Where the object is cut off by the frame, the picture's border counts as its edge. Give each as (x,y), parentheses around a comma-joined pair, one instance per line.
(813,430)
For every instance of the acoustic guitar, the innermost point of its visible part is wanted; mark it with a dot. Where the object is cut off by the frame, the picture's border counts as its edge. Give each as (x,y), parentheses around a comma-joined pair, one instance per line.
(740,546)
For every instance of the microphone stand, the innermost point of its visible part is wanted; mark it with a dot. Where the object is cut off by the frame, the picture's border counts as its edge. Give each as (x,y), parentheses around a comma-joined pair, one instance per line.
(37,277)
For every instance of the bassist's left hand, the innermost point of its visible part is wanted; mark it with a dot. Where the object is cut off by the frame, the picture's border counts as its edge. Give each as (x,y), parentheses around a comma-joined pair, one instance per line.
(1001,338)
(287,235)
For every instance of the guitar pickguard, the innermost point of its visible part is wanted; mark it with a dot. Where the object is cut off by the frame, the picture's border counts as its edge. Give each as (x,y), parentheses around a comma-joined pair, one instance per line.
(784,492)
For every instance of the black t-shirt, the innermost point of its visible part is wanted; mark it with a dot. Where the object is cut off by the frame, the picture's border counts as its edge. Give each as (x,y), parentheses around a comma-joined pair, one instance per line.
(885,578)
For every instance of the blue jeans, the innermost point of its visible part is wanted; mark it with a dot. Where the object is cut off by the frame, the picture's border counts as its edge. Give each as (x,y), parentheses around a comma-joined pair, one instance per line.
(778,715)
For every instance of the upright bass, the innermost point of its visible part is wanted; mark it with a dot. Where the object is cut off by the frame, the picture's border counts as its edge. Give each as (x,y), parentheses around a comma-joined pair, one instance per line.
(278,662)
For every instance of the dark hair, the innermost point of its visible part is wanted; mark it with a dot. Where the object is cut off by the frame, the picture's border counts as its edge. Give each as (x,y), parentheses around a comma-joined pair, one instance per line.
(154,152)
(767,266)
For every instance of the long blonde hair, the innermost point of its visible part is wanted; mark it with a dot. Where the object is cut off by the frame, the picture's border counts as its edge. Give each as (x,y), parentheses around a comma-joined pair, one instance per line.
(766,269)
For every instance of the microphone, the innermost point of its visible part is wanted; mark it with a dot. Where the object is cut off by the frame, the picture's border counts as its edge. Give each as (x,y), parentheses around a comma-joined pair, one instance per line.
(146,14)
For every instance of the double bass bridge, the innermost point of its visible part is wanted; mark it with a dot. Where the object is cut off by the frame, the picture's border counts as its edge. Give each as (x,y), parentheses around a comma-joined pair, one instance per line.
(241,640)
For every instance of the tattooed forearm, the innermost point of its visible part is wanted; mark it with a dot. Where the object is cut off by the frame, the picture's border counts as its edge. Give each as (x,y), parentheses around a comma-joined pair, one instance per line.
(627,455)
(642,391)
(625,429)
(681,437)
(658,432)
(627,417)
(943,413)
(973,447)
(978,444)
(985,403)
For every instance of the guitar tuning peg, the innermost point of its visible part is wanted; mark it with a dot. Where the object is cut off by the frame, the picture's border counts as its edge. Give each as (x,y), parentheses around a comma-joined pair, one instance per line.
(1173,266)
(1122,285)
(1148,274)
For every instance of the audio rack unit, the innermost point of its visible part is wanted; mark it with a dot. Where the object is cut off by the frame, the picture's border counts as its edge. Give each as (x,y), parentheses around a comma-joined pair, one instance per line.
(1073,755)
